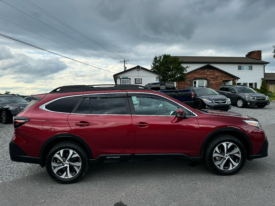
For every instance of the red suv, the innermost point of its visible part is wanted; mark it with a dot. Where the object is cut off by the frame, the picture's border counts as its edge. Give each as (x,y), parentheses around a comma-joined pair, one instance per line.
(73,126)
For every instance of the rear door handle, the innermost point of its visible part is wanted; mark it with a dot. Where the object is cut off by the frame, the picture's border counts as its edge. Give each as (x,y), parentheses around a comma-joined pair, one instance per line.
(82,124)
(142,124)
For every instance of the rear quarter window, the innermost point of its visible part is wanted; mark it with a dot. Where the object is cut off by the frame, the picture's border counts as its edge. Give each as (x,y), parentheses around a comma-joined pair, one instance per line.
(65,105)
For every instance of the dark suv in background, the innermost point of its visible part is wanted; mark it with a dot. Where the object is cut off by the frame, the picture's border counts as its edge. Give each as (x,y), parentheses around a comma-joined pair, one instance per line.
(244,96)
(10,105)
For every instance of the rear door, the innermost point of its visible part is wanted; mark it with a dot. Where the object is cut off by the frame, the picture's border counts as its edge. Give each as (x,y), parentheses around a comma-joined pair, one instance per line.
(104,121)
(158,130)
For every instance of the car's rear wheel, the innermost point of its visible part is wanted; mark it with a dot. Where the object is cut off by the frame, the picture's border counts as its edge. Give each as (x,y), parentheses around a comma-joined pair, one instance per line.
(240,103)
(67,162)
(225,155)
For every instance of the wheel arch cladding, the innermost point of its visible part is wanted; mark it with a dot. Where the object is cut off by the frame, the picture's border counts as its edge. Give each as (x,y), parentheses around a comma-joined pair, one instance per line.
(230,131)
(62,138)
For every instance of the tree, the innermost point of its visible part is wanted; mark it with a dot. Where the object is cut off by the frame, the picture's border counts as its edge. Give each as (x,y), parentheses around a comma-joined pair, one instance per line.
(274,52)
(7,92)
(263,88)
(234,82)
(169,68)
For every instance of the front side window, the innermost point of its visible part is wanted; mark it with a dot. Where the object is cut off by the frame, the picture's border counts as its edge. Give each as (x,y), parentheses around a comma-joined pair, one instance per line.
(65,105)
(84,107)
(244,67)
(150,105)
(245,90)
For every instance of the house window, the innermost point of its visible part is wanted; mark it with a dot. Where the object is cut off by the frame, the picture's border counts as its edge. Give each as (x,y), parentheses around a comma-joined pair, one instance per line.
(138,80)
(244,67)
(199,83)
(244,84)
(157,79)
(125,81)
(251,85)
(239,83)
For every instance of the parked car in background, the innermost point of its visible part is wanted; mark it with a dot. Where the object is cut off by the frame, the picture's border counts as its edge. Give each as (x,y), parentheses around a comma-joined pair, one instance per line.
(206,98)
(73,126)
(244,96)
(10,105)
(184,95)
(28,98)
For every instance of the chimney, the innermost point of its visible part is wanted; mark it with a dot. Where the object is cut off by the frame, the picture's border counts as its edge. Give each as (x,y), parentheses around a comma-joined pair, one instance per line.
(257,54)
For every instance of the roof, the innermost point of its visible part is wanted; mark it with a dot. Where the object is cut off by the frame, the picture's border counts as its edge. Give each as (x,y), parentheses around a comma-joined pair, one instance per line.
(209,65)
(226,60)
(136,67)
(269,76)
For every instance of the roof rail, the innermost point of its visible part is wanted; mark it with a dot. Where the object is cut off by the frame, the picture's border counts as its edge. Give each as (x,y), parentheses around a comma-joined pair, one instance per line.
(100,87)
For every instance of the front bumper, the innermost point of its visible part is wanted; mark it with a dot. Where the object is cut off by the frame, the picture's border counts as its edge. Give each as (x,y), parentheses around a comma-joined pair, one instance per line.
(263,151)
(18,155)
(256,103)
(223,107)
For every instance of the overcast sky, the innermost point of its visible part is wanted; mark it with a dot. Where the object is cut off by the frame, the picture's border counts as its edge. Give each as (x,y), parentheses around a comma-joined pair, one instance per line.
(124,29)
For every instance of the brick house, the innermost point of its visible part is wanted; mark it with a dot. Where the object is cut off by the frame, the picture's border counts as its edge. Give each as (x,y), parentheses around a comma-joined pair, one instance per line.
(270,81)
(214,72)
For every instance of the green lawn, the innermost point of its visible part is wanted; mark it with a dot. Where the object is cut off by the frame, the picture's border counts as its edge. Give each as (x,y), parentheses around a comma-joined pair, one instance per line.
(271,98)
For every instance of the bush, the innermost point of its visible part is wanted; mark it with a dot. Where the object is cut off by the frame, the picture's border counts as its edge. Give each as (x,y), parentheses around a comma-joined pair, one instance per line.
(270,94)
(263,88)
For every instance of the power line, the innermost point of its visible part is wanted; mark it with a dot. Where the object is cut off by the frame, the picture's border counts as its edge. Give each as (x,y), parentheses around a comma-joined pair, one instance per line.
(52,27)
(31,45)
(43,36)
(68,26)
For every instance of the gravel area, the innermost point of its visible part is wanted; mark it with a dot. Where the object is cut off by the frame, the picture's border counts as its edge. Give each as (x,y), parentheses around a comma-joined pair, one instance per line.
(264,115)
(10,170)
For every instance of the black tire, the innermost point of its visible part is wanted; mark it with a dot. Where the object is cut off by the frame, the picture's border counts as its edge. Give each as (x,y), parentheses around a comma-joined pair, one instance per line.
(261,106)
(5,119)
(228,168)
(199,104)
(66,147)
(238,103)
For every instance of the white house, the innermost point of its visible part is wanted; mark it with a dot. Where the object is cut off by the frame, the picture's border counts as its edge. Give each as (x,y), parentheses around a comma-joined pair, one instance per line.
(217,71)
(137,75)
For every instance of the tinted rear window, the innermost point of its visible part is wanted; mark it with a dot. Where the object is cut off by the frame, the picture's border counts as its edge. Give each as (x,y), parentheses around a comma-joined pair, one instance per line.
(63,105)
(108,105)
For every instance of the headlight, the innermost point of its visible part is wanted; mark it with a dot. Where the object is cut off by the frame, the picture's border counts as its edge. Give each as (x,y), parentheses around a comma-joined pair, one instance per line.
(253,123)
(207,101)
(228,101)
(266,98)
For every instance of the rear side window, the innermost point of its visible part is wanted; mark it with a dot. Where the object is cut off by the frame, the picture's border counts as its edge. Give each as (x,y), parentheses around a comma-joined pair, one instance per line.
(108,105)
(84,107)
(65,105)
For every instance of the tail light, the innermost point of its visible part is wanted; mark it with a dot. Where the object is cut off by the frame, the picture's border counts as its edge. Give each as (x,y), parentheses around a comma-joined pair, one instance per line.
(19,121)
(192,95)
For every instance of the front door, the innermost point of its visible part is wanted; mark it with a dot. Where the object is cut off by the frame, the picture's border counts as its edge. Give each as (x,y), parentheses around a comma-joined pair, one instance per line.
(158,130)
(104,121)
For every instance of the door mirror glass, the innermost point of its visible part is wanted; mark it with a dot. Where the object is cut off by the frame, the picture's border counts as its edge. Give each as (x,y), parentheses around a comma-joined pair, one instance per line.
(180,114)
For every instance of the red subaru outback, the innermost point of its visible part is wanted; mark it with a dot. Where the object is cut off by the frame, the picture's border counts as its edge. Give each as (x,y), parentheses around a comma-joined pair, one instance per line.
(73,126)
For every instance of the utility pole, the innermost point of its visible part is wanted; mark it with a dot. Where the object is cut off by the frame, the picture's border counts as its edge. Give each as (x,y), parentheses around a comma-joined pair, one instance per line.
(124,63)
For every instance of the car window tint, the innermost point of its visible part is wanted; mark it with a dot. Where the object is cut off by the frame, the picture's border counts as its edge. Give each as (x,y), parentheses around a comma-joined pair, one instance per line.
(84,107)
(108,105)
(231,89)
(150,105)
(63,105)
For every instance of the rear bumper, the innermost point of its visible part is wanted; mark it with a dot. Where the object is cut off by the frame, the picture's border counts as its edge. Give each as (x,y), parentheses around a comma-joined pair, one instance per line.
(263,151)
(18,155)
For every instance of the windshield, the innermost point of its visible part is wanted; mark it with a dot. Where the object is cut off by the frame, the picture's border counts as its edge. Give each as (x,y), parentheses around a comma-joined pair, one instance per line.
(245,90)
(205,92)
(12,99)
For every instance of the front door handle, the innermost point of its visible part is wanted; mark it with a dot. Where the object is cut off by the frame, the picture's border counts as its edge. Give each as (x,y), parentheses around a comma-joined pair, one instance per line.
(82,124)
(142,124)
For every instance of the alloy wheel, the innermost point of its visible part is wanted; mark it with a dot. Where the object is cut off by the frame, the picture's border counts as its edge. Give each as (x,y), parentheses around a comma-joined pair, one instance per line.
(66,163)
(240,103)
(227,156)
(4,117)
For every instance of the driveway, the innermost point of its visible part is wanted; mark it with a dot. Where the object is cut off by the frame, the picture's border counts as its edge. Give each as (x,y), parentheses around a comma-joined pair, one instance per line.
(156,183)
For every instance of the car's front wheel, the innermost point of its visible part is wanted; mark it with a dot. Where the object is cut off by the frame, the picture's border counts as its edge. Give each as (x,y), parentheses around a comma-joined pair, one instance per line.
(225,155)
(240,103)
(5,117)
(199,104)
(67,162)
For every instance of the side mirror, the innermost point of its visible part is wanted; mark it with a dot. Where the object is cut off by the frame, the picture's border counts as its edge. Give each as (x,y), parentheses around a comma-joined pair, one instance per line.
(180,114)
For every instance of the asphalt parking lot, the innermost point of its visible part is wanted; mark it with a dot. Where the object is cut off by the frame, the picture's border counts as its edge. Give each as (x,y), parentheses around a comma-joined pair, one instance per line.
(157,183)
